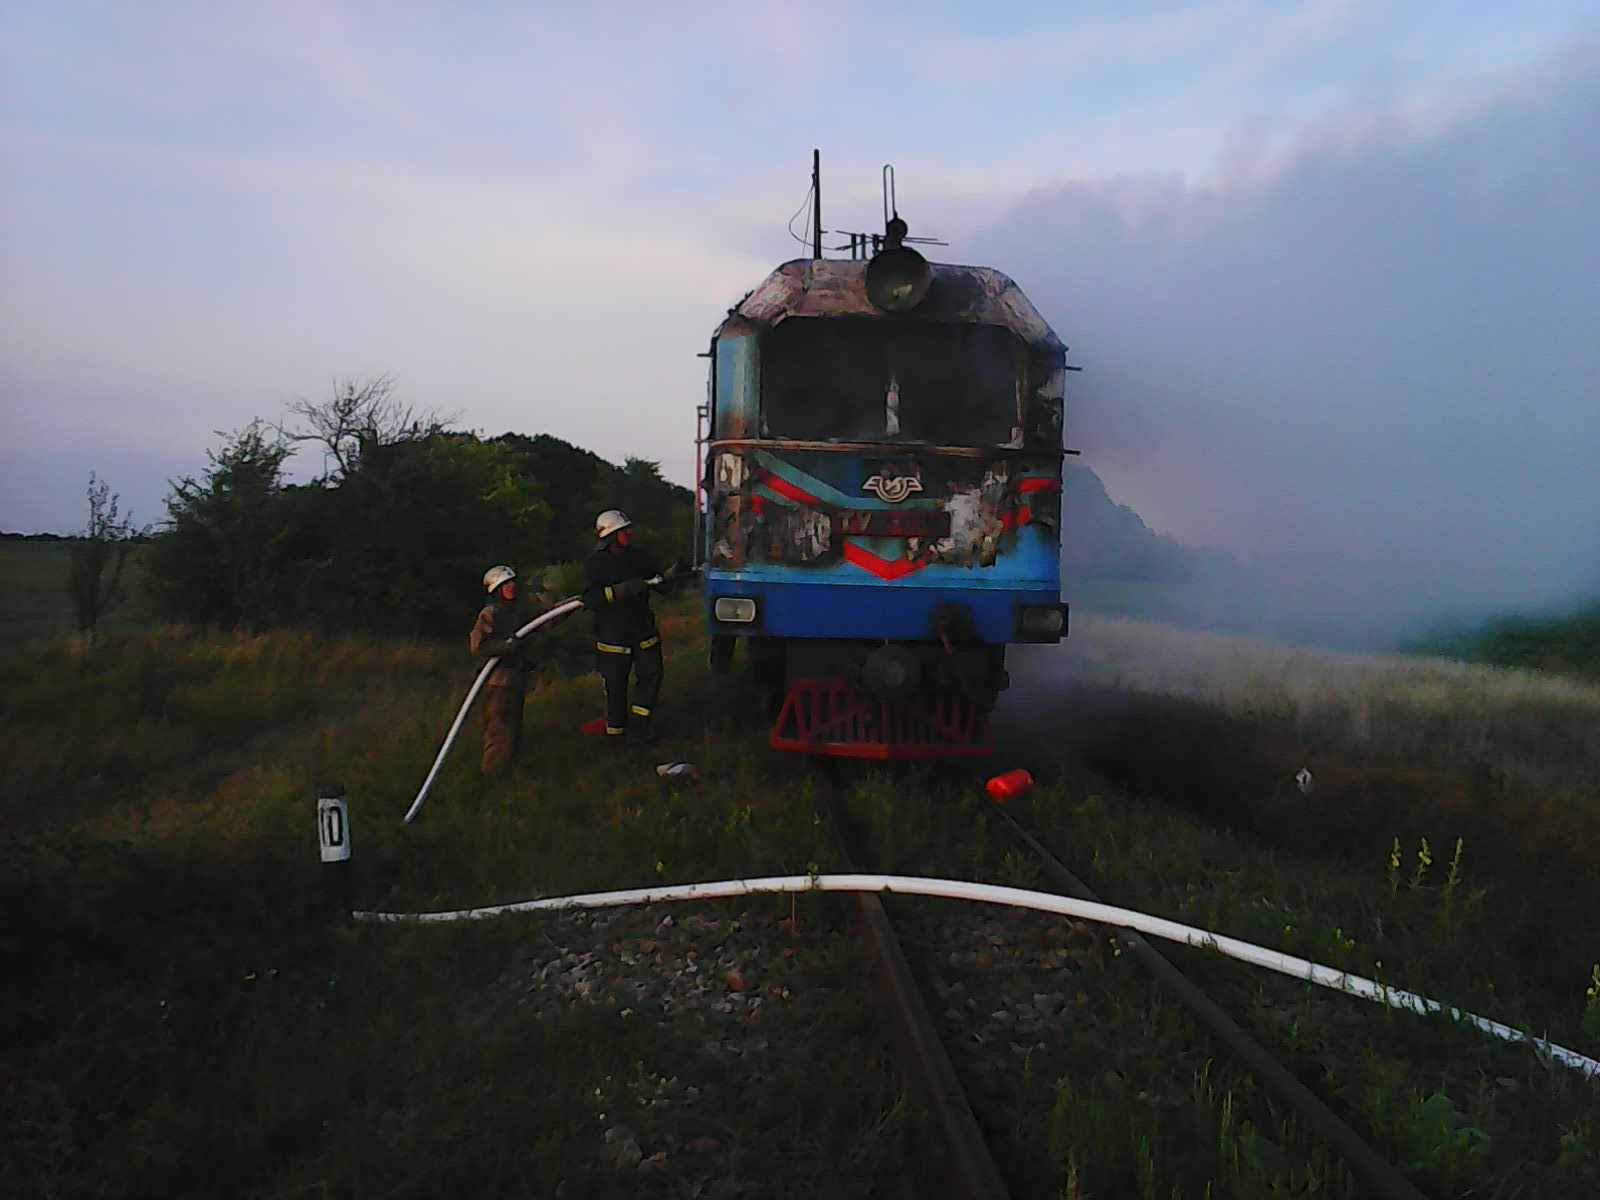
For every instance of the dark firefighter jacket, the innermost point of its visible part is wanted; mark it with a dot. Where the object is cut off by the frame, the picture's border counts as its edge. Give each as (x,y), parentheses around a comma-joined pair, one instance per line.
(625,620)
(492,636)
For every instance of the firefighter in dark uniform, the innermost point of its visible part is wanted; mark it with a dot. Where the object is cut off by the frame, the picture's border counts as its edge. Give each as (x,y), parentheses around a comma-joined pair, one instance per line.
(493,637)
(616,589)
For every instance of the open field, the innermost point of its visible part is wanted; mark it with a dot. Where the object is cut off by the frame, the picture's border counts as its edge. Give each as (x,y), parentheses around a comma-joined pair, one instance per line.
(180,1018)
(34,608)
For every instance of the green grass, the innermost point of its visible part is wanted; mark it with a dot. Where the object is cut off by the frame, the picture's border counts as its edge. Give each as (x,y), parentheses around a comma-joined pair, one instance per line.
(1168,762)
(1130,1096)
(179,1017)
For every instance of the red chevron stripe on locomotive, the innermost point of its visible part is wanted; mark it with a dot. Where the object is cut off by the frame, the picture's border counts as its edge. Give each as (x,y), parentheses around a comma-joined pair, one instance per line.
(788,490)
(887,569)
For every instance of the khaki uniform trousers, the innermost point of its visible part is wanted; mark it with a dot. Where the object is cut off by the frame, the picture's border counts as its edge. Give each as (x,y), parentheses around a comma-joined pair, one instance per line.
(502,728)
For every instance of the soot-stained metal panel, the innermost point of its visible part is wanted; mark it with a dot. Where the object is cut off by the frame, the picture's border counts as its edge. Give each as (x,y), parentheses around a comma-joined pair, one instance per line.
(769,511)
(837,288)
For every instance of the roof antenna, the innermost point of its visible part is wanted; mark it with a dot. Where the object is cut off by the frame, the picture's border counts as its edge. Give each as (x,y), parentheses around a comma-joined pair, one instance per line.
(894,229)
(816,203)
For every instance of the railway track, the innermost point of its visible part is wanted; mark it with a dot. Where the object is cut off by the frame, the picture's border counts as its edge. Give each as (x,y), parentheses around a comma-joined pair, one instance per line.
(968,1167)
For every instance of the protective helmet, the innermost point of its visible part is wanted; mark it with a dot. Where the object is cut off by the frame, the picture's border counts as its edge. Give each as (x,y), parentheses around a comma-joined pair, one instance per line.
(495,576)
(609,522)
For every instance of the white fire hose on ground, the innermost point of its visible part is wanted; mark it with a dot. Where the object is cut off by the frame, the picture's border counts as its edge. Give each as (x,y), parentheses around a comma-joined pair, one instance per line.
(1285,964)
(560,610)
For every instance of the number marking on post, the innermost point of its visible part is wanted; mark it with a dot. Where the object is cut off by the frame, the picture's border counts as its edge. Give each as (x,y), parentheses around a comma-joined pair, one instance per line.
(333,829)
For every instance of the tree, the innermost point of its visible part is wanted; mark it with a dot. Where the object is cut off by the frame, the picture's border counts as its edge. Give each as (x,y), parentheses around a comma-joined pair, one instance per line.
(104,544)
(563,475)
(395,544)
(219,559)
(360,414)
(416,521)
(662,512)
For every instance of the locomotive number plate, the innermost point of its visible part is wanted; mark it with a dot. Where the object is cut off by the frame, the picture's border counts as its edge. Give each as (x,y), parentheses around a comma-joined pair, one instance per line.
(902,523)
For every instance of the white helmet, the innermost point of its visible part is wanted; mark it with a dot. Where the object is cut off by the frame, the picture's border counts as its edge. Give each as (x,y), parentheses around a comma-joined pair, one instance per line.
(610,522)
(495,576)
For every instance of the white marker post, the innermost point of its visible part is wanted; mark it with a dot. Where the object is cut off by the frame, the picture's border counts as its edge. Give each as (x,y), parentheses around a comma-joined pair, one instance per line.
(333,835)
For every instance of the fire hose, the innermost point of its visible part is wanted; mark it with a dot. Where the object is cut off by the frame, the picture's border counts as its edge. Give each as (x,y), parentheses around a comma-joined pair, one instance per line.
(1046,902)
(562,609)
(572,604)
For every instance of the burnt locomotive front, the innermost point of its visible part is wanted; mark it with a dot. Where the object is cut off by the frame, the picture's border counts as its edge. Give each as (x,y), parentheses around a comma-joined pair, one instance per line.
(881,505)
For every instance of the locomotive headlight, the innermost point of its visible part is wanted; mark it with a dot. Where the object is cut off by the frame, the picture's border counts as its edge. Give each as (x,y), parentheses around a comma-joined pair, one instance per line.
(1037,621)
(898,279)
(736,610)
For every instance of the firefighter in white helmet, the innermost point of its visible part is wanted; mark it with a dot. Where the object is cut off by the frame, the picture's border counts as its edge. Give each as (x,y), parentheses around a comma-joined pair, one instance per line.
(626,641)
(493,636)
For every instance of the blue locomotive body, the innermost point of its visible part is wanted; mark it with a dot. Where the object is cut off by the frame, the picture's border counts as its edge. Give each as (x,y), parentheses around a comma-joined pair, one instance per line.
(880,513)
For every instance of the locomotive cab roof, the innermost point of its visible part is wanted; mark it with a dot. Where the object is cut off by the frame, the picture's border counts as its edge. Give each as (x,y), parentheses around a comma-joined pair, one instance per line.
(821,287)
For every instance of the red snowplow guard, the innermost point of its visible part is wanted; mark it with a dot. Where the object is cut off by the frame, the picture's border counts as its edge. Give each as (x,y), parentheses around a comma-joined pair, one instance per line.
(828,716)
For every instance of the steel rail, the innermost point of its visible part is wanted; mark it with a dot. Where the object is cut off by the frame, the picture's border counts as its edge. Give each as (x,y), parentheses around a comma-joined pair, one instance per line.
(1381,1175)
(972,1171)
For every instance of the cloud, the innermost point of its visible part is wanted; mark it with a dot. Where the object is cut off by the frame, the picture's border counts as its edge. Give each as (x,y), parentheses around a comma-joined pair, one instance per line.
(538,215)
(1234,37)
(531,304)
(1376,366)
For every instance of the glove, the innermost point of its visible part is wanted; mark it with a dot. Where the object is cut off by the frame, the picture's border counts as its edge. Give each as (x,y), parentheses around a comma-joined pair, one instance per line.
(674,571)
(627,588)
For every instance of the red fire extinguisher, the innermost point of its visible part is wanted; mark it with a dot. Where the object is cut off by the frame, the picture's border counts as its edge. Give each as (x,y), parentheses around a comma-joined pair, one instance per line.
(1008,787)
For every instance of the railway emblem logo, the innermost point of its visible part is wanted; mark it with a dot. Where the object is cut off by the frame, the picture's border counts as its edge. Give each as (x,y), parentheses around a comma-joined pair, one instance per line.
(891,488)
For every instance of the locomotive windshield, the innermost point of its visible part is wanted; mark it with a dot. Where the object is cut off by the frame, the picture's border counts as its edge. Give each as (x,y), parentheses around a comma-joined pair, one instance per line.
(851,380)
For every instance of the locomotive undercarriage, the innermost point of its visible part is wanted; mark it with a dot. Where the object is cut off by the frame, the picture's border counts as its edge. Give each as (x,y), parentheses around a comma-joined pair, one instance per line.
(878,700)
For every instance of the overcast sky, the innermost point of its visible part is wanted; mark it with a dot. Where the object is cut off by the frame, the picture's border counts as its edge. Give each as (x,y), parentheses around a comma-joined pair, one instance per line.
(1331,266)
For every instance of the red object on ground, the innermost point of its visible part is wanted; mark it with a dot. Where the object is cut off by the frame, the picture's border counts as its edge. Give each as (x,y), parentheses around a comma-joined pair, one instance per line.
(594,728)
(828,716)
(1006,788)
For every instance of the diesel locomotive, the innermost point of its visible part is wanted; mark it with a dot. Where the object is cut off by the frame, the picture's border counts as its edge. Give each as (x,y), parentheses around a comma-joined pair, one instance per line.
(880,505)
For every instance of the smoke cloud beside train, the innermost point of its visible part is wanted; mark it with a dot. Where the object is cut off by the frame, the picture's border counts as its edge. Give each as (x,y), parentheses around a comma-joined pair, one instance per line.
(1371,373)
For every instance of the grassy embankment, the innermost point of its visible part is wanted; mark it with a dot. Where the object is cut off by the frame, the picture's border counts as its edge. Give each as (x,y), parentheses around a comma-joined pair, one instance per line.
(181,1020)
